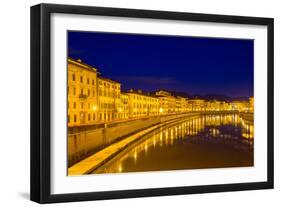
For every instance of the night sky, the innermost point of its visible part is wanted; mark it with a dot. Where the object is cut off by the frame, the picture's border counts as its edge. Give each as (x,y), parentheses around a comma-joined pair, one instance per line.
(176,63)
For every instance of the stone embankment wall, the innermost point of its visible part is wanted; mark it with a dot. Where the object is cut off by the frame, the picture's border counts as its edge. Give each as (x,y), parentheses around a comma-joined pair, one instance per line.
(86,140)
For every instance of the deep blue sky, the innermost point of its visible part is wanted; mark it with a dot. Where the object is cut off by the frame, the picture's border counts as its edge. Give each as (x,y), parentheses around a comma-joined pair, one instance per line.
(176,63)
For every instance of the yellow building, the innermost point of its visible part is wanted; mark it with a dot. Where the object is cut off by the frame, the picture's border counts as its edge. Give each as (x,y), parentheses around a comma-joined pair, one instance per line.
(82,93)
(123,110)
(167,102)
(197,104)
(181,104)
(242,106)
(108,99)
(94,99)
(142,105)
(251,101)
(225,106)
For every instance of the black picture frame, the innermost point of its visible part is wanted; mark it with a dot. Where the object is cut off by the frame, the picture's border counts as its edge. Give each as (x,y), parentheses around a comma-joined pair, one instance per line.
(41,96)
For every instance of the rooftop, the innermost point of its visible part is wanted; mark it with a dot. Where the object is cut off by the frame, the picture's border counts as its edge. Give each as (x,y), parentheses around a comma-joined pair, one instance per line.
(81,64)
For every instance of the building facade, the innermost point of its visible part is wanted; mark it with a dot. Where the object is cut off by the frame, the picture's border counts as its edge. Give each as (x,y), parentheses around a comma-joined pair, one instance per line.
(93,99)
(142,105)
(197,105)
(82,93)
(124,106)
(108,99)
(167,102)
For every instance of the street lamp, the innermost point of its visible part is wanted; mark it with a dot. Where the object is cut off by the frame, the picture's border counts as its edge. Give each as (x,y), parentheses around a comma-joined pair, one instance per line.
(94,107)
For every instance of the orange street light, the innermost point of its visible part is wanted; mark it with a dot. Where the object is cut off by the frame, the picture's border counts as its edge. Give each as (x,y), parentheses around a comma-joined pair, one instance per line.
(94,108)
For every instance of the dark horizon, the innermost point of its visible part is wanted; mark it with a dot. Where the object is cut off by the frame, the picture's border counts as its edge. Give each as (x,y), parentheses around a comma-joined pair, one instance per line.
(192,65)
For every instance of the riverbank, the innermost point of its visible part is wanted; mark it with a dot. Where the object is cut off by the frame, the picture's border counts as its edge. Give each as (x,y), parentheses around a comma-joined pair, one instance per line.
(98,159)
(83,143)
(94,161)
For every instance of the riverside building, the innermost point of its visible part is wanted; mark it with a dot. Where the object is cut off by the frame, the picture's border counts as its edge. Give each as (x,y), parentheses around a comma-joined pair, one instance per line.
(93,99)
(82,93)
(141,104)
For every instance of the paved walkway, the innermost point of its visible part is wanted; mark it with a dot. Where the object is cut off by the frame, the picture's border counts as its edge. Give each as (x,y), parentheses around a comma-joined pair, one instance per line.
(96,160)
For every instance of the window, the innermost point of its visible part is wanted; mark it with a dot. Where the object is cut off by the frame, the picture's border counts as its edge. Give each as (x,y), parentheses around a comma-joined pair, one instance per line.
(74,91)
(81,79)
(93,82)
(93,93)
(75,118)
(89,117)
(88,81)
(82,105)
(74,105)
(81,91)
(88,92)
(94,117)
(73,77)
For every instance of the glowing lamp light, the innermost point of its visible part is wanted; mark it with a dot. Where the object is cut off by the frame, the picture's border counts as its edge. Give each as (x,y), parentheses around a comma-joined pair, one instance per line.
(94,108)
(161,110)
(120,110)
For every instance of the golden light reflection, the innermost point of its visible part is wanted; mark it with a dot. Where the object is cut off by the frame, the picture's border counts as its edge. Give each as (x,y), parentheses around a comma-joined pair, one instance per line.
(120,168)
(191,128)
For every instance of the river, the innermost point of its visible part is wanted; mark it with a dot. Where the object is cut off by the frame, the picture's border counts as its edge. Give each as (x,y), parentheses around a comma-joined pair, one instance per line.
(206,141)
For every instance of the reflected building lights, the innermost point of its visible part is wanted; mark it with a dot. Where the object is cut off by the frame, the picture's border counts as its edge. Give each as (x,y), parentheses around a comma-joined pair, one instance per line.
(191,130)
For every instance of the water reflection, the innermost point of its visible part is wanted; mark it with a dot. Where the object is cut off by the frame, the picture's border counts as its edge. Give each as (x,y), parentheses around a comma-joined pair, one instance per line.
(208,141)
